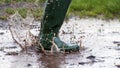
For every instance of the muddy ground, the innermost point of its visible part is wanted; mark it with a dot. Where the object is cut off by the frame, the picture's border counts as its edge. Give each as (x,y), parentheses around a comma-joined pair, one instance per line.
(100,47)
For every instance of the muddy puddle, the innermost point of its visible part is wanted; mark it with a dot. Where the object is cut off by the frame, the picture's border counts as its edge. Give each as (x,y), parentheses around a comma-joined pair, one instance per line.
(100,47)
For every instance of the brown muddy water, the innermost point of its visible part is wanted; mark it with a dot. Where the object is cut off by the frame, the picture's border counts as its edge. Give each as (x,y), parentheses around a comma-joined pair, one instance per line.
(100,47)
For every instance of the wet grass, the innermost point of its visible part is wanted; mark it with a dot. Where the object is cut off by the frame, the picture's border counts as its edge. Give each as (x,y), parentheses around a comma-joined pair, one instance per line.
(9,11)
(22,12)
(3,17)
(37,12)
(105,9)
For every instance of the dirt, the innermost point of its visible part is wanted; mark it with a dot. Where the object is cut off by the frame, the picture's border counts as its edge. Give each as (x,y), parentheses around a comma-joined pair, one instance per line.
(100,47)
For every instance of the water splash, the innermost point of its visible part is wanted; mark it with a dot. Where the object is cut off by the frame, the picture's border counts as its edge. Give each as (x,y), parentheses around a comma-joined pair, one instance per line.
(20,28)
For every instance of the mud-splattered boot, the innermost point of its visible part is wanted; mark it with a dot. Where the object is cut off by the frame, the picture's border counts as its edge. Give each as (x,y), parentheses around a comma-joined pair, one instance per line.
(51,23)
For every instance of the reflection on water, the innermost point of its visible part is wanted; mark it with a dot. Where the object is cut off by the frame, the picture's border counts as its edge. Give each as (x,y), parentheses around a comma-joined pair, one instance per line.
(53,61)
(19,61)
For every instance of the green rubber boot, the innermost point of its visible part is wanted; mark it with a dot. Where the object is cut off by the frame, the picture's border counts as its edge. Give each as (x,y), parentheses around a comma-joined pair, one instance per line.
(51,23)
